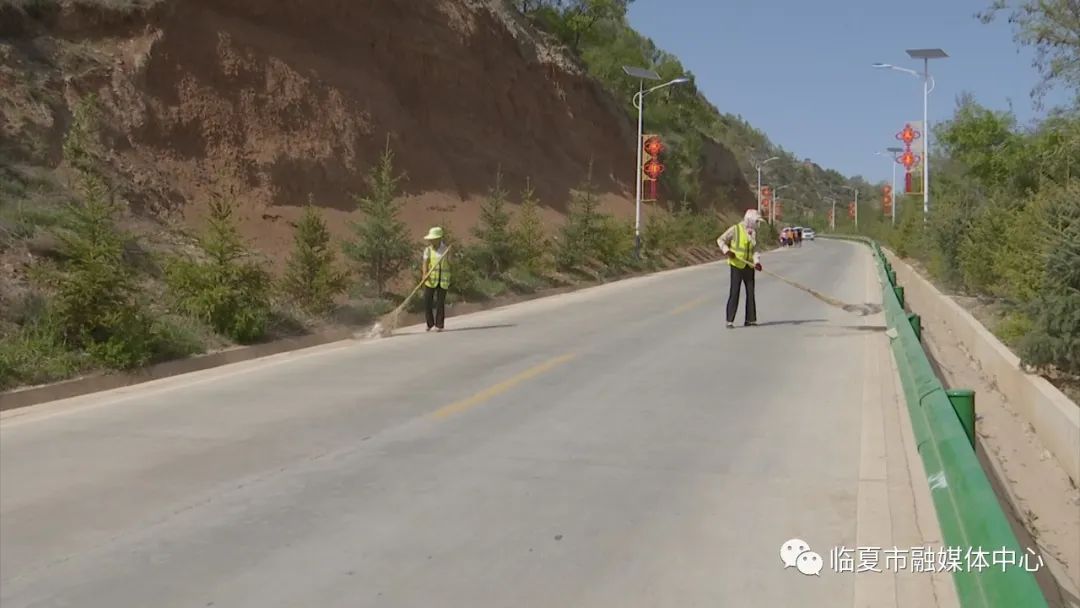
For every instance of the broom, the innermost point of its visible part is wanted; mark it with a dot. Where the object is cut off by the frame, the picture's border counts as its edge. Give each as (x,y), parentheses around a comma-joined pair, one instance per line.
(389,322)
(865,310)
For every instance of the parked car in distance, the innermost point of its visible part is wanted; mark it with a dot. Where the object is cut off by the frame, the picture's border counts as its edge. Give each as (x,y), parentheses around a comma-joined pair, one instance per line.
(808,234)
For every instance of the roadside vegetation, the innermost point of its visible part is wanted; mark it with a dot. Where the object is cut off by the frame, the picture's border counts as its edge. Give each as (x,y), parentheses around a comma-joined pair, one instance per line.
(100,299)
(1004,223)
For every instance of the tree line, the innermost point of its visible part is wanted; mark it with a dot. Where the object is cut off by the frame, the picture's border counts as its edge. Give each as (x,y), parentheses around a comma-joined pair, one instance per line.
(1004,220)
(101,300)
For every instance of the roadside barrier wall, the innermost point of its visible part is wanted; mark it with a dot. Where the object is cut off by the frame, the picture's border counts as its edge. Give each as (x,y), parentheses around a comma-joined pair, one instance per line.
(967,509)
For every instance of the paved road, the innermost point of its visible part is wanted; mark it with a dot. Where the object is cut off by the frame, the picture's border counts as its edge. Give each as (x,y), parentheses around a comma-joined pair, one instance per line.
(611,447)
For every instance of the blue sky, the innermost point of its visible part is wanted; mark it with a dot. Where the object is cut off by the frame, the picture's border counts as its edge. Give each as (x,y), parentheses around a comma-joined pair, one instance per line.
(799,70)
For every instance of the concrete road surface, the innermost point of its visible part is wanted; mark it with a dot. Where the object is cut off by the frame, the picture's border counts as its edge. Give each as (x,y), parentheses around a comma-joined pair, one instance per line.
(612,447)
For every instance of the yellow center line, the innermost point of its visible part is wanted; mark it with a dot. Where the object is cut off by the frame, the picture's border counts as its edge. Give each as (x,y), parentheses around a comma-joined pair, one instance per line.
(690,305)
(497,389)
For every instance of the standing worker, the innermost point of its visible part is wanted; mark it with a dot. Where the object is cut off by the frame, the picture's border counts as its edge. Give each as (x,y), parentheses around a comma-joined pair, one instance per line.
(739,243)
(438,281)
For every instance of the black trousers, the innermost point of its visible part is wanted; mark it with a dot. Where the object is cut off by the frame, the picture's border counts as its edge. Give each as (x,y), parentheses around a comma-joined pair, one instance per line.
(742,276)
(435,306)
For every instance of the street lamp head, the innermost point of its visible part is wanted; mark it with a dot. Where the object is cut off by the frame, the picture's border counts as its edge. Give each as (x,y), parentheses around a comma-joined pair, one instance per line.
(894,149)
(680,80)
(881,65)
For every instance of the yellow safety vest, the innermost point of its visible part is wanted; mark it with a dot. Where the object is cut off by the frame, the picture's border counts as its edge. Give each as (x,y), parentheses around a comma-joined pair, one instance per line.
(742,246)
(440,276)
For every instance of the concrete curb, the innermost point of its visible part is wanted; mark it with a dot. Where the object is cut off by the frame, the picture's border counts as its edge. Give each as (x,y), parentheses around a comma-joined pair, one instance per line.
(1055,418)
(94,384)
(34,395)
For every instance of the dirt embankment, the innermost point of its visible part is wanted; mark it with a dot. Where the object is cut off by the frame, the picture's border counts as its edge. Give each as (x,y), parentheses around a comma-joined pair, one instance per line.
(289,101)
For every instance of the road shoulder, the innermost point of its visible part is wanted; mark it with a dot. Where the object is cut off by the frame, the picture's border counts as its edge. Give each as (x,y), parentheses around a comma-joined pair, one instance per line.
(895,510)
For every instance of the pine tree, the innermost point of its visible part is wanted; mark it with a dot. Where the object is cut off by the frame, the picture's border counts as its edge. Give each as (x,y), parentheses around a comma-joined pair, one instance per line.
(311,277)
(580,234)
(493,230)
(528,234)
(96,305)
(229,291)
(382,248)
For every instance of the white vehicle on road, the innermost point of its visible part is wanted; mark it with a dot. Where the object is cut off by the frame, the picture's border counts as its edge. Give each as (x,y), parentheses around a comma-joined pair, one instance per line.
(808,234)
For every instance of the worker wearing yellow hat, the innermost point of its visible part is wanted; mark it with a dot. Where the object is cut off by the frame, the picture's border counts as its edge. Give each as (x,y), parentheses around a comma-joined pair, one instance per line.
(438,262)
(739,243)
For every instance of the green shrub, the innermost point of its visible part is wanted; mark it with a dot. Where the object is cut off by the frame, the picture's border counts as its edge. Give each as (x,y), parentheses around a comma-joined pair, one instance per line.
(529,236)
(495,250)
(228,291)
(661,236)
(522,280)
(580,235)
(382,248)
(979,253)
(1013,327)
(489,288)
(311,277)
(34,355)
(96,303)
(614,246)
(1055,337)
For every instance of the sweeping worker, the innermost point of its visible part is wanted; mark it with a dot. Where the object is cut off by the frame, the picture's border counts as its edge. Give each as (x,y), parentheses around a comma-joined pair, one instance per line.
(435,286)
(739,243)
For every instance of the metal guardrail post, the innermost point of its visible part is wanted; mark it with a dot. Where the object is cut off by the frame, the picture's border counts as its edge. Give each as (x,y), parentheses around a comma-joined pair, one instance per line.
(899,290)
(963,403)
(916,325)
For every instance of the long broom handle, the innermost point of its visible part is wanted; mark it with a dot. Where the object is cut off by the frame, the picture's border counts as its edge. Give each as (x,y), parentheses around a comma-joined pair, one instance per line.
(820,296)
(428,274)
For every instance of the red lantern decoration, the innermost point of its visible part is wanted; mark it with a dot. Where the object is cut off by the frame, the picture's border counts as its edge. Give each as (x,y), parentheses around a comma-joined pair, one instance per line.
(653,146)
(652,167)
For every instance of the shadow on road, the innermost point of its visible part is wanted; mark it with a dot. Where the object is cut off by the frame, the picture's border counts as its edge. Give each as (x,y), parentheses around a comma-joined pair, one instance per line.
(791,322)
(480,327)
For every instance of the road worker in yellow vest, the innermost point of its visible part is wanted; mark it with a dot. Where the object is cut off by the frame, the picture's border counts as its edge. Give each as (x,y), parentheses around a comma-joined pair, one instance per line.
(739,243)
(437,260)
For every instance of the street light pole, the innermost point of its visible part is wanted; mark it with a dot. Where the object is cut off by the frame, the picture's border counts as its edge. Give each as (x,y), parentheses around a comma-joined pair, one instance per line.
(928,85)
(642,75)
(926,138)
(892,152)
(892,193)
(772,208)
(856,205)
(638,103)
(759,166)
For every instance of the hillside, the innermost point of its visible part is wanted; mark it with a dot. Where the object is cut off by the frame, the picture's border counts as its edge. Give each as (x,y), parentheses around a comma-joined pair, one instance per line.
(284,103)
(284,110)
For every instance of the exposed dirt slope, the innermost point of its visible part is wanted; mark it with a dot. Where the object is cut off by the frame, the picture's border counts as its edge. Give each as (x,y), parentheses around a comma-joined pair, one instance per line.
(286,101)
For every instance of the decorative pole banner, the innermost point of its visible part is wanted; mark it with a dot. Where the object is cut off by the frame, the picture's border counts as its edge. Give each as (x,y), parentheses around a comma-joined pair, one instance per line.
(652,167)
(907,158)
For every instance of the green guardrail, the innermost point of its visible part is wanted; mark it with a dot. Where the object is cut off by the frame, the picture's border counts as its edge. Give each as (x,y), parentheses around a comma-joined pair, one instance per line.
(967,509)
